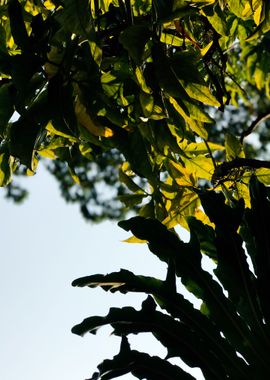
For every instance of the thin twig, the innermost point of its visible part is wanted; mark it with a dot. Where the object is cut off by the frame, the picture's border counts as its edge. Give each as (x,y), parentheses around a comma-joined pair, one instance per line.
(210,153)
(260,119)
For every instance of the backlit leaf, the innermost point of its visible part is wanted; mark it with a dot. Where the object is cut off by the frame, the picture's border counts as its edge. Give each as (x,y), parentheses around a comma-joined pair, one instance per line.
(200,166)
(263,176)
(86,121)
(233,147)
(181,175)
(133,240)
(201,93)
(127,180)
(56,130)
(196,126)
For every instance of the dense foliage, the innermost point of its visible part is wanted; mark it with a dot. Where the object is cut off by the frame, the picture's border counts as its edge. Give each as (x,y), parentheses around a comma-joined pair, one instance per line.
(142,95)
(137,82)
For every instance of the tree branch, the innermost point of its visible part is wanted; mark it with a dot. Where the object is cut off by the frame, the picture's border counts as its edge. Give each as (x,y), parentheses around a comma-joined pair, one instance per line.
(260,119)
(224,169)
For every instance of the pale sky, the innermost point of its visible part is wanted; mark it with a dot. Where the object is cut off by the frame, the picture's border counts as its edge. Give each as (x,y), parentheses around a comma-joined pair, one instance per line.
(46,244)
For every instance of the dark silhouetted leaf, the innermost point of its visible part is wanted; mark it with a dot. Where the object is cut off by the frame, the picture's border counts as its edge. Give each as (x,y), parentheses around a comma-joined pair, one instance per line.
(134,39)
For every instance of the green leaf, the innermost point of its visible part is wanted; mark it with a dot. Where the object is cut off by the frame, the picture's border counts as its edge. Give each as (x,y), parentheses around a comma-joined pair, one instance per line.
(185,67)
(196,112)
(181,175)
(206,237)
(6,107)
(127,180)
(17,25)
(23,68)
(237,7)
(147,103)
(141,81)
(140,365)
(171,39)
(5,169)
(232,269)
(3,36)
(131,200)
(23,137)
(184,205)
(61,110)
(187,257)
(172,9)
(201,93)
(76,17)
(200,166)
(181,343)
(58,131)
(217,19)
(258,226)
(133,147)
(165,74)
(196,126)
(233,147)
(174,304)
(263,175)
(199,148)
(110,84)
(134,39)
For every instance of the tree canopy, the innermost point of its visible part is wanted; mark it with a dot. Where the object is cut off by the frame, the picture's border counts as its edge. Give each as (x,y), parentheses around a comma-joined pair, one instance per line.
(157,99)
(134,90)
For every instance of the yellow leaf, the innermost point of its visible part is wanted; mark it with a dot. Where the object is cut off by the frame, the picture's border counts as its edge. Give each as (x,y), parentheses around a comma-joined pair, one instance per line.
(197,113)
(233,147)
(171,221)
(200,166)
(181,175)
(242,191)
(96,52)
(110,84)
(34,165)
(85,120)
(259,77)
(182,208)
(47,153)
(141,81)
(49,5)
(6,162)
(247,11)
(206,48)
(134,239)
(200,215)
(31,8)
(196,126)
(50,127)
(263,175)
(199,148)
(258,14)
(74,176)
(173,40)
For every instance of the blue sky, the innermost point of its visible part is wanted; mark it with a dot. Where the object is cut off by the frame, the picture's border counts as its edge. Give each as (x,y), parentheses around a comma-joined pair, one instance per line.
(46,244)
